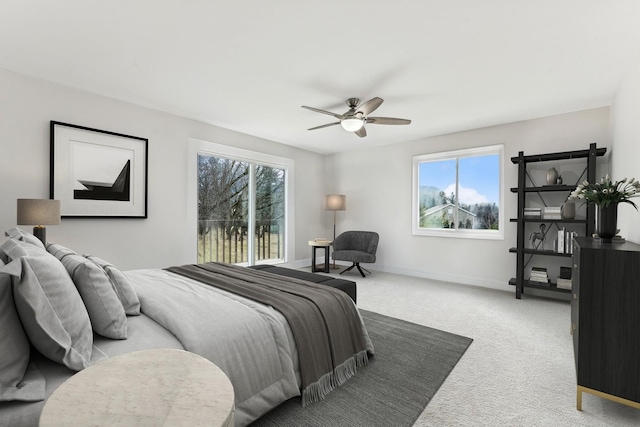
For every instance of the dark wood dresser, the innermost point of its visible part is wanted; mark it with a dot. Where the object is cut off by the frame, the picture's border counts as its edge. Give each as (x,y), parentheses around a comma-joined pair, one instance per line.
(605,320)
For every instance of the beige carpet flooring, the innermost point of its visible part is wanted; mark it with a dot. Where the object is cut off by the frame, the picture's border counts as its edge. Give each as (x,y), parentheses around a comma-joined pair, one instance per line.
(519,371)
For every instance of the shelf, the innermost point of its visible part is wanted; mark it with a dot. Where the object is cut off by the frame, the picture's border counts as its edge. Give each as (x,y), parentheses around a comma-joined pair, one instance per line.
(545,188)
(565,155)
(568,221)
(532,285)
(525,223)
(539,252)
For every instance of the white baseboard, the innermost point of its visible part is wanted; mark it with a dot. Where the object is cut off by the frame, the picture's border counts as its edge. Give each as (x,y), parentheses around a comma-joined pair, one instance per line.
(451,278)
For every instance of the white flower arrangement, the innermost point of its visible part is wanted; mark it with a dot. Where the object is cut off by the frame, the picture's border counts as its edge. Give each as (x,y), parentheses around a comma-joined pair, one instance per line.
(607,192)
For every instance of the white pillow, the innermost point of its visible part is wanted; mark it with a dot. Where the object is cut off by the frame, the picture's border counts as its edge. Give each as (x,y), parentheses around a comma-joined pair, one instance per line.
(49,305)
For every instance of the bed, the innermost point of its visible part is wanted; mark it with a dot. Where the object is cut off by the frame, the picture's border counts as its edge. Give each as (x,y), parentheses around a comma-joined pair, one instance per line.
(100,312)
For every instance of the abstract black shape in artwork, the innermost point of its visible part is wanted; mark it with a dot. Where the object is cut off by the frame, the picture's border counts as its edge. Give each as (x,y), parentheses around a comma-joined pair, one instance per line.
(119,190)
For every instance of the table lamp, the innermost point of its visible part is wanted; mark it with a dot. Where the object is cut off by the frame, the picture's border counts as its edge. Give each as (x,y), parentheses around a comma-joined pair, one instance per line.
(39,212)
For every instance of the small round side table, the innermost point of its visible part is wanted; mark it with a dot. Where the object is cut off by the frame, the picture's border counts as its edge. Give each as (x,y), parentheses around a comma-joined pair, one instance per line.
(161,387)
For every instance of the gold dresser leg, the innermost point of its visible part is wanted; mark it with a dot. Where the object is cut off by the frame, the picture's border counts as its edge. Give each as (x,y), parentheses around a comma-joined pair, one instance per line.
(579,398)
(611,397)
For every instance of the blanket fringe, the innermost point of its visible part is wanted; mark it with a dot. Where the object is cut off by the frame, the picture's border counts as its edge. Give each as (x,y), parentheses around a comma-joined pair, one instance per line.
(329,381)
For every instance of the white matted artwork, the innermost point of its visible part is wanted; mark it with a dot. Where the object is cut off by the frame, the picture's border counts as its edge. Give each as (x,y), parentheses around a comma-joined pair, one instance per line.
(97,174)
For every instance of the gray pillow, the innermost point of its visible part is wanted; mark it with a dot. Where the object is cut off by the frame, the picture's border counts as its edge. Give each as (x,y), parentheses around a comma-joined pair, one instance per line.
(105,309)
(25,236)
(14,351)
(59,251)
(49,305)
(126,293)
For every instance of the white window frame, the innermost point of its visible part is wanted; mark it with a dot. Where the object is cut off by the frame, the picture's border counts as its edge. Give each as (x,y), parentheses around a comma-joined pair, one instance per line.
(457,233)
(196,147)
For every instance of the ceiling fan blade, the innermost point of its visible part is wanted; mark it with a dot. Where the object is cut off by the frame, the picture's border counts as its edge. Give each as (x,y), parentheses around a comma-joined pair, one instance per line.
(370,106)
(387,121)
(324,126)
(337,116)
(362,132)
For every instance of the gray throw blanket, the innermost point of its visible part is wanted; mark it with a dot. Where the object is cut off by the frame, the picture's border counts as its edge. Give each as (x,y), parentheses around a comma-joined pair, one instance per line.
(323,320)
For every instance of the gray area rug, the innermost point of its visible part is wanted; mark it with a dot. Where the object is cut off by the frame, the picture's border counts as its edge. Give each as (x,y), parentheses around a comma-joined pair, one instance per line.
(410,364)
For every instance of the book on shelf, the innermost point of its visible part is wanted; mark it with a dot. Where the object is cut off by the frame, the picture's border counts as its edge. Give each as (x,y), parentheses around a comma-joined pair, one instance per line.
(552,212)
(564,283)
(540,282)
(532,213)
(561,243)
(569,241)
(564,243)
(538,274)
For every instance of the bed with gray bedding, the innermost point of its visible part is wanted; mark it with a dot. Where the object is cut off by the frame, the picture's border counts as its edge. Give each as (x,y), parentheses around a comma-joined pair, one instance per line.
(159,308)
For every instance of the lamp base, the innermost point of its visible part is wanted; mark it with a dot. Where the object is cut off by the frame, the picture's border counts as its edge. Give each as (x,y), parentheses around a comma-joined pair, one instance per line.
(41,233)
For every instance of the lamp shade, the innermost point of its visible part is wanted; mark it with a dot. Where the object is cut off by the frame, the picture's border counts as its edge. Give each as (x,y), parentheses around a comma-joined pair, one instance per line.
(38,212)
(335,202)
(352,124)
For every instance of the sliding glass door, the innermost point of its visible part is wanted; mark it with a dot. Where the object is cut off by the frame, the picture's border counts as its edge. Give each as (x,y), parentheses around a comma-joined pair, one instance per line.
(241,211)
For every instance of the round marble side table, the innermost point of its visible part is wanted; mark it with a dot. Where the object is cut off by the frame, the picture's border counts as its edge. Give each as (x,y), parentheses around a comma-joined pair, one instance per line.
(162,387)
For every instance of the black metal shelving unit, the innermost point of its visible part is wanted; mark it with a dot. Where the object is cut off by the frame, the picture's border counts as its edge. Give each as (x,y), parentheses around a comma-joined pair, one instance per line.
(523,254)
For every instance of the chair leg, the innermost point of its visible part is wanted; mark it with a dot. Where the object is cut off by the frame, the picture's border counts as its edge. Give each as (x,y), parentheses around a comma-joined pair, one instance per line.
(360,269)
(344,271)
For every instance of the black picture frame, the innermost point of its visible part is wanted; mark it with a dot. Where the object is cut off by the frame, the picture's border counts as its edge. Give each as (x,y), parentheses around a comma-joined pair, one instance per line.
(97,173)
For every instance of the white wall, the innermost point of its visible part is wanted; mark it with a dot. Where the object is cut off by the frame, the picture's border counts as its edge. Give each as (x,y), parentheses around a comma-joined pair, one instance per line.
(377,183)
(26,107)
(625,124)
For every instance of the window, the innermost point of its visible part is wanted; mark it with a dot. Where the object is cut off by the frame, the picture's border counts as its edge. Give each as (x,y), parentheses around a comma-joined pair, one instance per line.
(459,193)
(241,204)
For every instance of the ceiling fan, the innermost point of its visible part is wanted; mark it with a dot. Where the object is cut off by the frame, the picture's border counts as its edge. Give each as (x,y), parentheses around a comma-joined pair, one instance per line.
(355,119)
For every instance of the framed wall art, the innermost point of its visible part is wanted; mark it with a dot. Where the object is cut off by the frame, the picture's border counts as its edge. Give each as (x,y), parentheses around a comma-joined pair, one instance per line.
(98,174)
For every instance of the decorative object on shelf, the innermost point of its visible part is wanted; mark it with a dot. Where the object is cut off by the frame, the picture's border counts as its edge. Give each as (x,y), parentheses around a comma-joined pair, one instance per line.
(538,236)
(559,180)
(606,195)
(552,176)
(568,210)
(38,212)
(607,221)
(563,283)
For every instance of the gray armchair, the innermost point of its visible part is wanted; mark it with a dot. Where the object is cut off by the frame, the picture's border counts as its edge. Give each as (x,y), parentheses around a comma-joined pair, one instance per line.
(356,247)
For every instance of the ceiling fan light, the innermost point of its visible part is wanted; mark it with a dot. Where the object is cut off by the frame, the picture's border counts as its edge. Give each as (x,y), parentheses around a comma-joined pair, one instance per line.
(352,124)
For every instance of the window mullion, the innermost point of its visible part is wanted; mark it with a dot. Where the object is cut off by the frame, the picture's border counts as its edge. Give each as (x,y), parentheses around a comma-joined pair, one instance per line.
(251,225)
(457,198)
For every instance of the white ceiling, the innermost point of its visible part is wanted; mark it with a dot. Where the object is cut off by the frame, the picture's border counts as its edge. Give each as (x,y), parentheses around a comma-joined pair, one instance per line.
(448,65)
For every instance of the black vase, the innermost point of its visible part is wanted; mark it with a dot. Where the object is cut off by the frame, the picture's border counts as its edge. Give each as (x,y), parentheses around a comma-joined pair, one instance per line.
(607,221)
